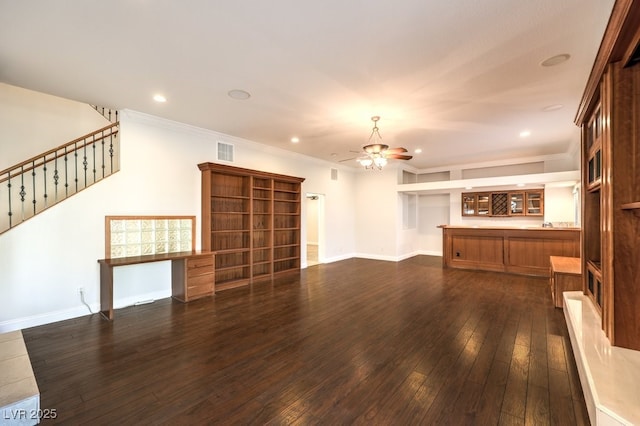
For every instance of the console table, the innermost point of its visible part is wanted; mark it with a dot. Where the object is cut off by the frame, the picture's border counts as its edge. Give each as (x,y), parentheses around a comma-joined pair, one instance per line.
(192,276)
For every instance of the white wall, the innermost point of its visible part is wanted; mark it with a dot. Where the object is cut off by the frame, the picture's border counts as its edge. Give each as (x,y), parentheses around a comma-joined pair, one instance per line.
(434,211)
(32,123)
(559,205)
(377,218)
(46,259)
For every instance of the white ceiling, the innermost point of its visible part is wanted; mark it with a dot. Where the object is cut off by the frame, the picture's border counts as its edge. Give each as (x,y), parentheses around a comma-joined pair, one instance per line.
(459,79)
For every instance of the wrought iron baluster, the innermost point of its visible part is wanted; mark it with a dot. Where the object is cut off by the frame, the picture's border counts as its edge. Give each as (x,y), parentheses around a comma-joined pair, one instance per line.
(111,152)
(33,184)
(66,173)
(94,158)
(22,192)
(56,176)
(9,192)
(44,179)
(75,155)
(102,166)
(84,161)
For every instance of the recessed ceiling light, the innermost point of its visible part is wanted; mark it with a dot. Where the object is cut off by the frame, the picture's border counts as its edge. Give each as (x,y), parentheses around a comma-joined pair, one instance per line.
(418,150)
(295,139)
(239,94)
(159,98)
(554,107)
(525,133)
(469,187)
(520,185)
(555,60)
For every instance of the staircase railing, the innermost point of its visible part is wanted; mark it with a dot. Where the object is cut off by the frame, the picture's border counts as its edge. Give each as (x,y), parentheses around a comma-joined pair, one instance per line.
(40,182)
(108,113)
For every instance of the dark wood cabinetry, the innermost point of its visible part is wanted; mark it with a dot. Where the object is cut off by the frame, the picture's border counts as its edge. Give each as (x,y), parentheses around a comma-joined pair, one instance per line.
(505,249)
(251,219)
(609,116)
(503,203)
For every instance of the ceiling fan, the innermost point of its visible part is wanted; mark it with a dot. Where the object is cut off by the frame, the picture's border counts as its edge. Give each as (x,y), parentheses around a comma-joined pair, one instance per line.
(375,154)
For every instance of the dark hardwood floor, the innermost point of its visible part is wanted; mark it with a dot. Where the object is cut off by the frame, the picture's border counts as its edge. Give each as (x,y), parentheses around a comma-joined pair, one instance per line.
(352,342)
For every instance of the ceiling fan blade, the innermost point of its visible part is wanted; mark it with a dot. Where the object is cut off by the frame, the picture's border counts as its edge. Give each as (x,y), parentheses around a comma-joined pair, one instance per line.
(399,156)
(347,159)
(395,150)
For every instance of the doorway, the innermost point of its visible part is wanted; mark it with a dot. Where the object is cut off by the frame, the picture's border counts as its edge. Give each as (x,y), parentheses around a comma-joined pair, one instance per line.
(315,228)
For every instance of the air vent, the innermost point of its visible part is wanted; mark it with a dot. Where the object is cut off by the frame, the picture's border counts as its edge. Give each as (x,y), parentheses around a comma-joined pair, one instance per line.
(334,174)
(225,151)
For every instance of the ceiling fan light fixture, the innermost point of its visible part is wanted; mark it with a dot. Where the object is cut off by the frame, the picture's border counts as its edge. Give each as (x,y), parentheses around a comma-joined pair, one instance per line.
(376,153)
(365,162)
(380,162)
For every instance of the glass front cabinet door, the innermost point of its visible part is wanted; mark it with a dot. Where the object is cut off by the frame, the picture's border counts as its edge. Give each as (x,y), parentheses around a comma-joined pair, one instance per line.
(534,203)
(516,204)
(469,205)
(483,204)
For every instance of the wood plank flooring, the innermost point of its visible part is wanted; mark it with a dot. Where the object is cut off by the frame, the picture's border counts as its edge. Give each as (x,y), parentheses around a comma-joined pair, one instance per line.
(352,342)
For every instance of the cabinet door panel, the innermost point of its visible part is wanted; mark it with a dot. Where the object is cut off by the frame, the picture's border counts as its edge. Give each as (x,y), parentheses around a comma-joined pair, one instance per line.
(478,249)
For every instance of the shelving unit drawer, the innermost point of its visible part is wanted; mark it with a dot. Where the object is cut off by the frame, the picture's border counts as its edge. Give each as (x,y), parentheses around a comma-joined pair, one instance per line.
(200,280)
(201,265)
(199,291)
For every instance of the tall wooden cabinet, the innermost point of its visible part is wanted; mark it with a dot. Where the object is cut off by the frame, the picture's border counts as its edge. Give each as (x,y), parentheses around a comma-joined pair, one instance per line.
(251,220)
(609,116)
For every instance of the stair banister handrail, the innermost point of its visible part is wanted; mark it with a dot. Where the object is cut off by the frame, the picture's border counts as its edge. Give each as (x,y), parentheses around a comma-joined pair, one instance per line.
(54,150)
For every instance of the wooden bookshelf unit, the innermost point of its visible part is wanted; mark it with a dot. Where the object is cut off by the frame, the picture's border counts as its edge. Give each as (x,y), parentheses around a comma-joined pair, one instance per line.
(609,119)
(251,219)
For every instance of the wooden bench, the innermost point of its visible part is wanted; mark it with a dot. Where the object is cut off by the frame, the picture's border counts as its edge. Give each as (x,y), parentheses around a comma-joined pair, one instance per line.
(566,275)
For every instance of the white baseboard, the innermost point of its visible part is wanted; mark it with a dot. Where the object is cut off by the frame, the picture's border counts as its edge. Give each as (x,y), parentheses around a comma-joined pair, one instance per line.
(338,258)
(78,311)
(45,318)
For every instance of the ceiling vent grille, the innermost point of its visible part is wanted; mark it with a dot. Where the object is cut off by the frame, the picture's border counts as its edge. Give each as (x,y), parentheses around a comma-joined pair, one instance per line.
(225,151)
(334,174)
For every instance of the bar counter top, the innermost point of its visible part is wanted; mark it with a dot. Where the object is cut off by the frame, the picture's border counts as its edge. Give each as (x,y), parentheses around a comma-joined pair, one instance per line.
(510,228)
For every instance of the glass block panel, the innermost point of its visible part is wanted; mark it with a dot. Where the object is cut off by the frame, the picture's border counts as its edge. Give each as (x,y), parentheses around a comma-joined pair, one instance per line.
(147,237)
(133,238)
(117,238)
(117,226)
(141,235)
(118,251)
(133,250)
(132,225)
